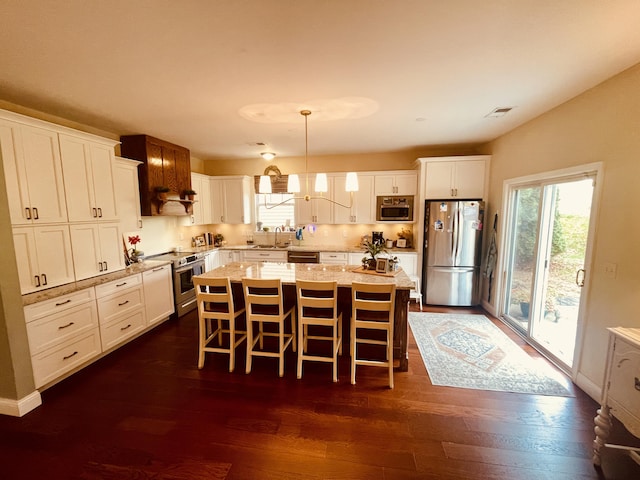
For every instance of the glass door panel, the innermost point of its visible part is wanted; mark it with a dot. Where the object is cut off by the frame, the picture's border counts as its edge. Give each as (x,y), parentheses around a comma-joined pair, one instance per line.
(521,261)
(564,233)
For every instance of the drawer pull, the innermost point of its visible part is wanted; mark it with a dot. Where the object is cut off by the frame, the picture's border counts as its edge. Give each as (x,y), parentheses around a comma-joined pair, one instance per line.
(124,328)
(121,284)
(69,356)
(65,326)
(637,381)
(158,269)
(123,303)
(63,303)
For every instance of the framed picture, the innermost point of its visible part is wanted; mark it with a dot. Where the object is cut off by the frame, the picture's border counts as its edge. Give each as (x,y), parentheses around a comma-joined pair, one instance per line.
(381,265)
(200,241)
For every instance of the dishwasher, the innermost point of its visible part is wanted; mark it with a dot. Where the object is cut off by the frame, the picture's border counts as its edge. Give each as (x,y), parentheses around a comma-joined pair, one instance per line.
(303,257)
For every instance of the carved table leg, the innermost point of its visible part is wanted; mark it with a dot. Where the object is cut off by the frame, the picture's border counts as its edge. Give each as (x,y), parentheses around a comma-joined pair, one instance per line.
(602,430)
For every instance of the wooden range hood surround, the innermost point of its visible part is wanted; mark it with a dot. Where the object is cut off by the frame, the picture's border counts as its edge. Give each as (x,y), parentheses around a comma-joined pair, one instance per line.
(164,164)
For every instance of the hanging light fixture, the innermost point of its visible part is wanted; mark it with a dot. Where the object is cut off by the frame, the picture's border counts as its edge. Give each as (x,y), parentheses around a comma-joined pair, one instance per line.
(321,181)
(268,155)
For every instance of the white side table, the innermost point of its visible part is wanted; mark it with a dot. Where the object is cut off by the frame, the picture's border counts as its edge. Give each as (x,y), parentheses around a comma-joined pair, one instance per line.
(620,391)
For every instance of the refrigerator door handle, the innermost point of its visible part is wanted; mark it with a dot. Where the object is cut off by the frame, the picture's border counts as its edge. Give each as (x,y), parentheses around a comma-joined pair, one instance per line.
(455,237)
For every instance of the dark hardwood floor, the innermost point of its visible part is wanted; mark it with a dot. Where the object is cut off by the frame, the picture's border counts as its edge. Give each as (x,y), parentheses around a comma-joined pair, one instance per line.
(146,411)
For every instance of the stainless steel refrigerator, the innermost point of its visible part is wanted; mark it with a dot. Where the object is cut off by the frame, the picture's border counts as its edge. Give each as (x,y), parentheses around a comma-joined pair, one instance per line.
(453,240)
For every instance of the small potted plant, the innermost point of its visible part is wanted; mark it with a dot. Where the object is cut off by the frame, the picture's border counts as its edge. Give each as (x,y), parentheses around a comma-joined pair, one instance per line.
(135,255)
(189,194)
(373,249)
(161,192)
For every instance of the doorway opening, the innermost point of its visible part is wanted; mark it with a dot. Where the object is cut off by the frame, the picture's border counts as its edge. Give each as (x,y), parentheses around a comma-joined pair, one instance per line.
(547,245)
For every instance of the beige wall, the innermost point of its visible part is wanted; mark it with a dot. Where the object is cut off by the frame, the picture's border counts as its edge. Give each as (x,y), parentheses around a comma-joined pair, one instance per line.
(601,125)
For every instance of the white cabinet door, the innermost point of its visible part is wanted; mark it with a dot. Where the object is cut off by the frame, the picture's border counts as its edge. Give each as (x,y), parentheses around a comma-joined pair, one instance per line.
(469,179)
(229,256)
(44,258)
(459,179)
(88,176)
(396,183)
(202,212)
(158,293)
(355,258)
(211,260)
(125,183)
(33,174)
(217,199)
(314,210)
(97,249)
(363,208)
(237,201)
(408,262)
(334,258)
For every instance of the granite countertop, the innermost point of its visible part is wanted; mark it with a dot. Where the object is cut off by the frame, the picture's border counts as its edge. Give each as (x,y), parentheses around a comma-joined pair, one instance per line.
(299,248)
(35,297)
(345,275)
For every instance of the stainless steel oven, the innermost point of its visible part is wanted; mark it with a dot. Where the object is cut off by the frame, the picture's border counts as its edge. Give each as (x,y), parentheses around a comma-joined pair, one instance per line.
(185,266)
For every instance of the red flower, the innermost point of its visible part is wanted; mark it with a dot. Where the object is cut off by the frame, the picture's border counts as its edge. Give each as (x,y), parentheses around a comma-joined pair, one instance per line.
(134,240)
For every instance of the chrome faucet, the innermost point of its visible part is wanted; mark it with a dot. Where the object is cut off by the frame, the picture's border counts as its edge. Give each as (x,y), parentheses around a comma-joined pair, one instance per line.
(275,241)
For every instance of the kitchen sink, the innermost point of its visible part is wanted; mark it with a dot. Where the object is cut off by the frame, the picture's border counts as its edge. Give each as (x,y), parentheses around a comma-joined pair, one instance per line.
(270,246)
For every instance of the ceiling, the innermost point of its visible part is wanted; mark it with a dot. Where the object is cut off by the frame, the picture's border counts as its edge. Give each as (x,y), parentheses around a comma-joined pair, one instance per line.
(219,77)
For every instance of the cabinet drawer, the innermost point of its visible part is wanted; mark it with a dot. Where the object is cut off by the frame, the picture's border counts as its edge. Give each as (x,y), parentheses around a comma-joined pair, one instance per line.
(119,330)
(54,362)
(46,332)
(624,390)
(263,256)
(118,285)
(119,303)
(340,258)
(58,304)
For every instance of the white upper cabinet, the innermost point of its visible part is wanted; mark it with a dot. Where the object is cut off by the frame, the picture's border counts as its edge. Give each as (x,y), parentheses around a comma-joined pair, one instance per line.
(363,208)
(97,249)
(396,183)
(231,199)
(125,184)
(88,176)
(314,210)
(43,255)
(456,177)
(33,174)
(202,208)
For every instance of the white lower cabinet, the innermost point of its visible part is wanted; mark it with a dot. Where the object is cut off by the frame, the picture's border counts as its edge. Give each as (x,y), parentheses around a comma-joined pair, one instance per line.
(211,260)
(355,258)
(63,334)
(334,258)
(407,261)
(229,256)
(158,293)
(121,310)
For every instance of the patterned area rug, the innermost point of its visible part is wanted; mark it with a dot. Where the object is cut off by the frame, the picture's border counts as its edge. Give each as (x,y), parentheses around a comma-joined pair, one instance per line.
(469,351)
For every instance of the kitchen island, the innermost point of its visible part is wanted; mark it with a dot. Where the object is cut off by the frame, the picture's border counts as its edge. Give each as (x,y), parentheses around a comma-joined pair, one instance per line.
(345,275)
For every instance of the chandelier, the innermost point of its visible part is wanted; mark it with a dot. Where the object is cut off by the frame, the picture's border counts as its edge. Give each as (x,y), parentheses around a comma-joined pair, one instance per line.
(321,183)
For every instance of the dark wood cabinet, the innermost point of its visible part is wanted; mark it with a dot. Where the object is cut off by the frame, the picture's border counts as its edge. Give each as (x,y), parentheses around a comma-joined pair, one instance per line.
(164,164)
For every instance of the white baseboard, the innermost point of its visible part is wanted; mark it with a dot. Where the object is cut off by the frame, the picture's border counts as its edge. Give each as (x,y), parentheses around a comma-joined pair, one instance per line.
(19,408)
(588,387)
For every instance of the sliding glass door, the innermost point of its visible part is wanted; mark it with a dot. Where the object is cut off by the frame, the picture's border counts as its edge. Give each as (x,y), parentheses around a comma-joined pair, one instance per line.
(546,248)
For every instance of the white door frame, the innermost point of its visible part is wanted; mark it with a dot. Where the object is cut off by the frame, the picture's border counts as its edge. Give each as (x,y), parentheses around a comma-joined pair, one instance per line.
(595,169)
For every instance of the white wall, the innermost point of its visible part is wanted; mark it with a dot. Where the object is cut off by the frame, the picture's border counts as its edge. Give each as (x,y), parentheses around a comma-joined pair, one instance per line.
(601,125)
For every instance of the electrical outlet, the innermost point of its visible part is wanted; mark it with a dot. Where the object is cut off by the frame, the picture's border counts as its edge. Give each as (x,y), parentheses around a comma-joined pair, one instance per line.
(610,269)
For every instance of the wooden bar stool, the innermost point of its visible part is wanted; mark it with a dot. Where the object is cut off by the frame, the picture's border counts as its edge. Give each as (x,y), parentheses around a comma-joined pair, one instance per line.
(372,306)
(265,305)
(318,309)
(215,304)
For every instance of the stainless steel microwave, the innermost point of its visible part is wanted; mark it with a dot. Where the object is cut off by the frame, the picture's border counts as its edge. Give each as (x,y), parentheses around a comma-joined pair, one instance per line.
(398,208)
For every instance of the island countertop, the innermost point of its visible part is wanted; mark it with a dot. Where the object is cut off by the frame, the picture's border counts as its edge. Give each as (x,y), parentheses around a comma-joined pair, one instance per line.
(345,275)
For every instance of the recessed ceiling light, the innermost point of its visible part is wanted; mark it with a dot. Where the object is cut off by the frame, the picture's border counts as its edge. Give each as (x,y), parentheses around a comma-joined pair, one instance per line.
(268,155)
(499,112)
